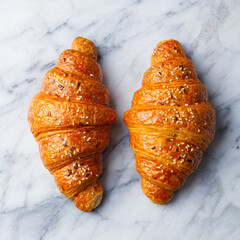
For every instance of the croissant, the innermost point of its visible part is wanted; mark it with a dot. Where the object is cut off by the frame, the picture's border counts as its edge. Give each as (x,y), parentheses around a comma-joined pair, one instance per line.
(70,119)
(171,122)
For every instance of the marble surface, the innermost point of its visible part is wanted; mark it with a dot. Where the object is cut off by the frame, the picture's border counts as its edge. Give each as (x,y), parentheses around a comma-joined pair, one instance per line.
(34,33)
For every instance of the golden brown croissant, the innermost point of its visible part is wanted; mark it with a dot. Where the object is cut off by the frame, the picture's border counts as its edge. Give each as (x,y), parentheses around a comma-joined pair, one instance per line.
(171,122)
(70,119)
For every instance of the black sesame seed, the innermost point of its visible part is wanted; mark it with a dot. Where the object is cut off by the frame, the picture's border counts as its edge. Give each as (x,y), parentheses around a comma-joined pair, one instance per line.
(69,172)
(61,86)
(75,166)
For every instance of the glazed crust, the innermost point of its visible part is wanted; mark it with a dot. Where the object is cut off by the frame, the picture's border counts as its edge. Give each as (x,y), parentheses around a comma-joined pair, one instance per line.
(70,119)
(171,122)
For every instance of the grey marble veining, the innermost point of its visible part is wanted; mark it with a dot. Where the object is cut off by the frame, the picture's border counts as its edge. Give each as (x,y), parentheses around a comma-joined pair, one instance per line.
(34,33)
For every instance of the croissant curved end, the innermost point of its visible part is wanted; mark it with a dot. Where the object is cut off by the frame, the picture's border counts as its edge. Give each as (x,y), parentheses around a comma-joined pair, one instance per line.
(90,198)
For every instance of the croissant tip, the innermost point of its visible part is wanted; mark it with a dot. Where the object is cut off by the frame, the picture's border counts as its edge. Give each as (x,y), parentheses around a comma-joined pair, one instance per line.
(155,193)
(94,203)
(85,46)
(90,198)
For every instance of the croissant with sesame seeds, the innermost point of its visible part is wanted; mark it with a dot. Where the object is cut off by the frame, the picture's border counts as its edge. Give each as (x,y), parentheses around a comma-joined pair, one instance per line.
(70,119)
(171,122)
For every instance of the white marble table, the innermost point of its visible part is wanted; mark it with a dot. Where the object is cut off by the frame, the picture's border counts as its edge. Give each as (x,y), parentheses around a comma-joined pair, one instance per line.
(34,33)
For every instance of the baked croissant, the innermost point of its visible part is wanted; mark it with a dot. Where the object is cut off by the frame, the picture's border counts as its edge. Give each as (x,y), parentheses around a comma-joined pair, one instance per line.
(70,119)
(171,122)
